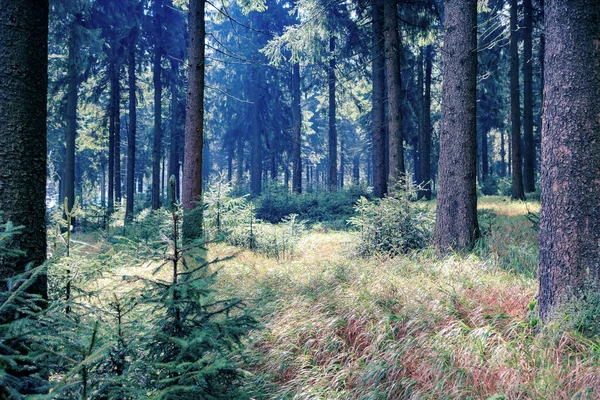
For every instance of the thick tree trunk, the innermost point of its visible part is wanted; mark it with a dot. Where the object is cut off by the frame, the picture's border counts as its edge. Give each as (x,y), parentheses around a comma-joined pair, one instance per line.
(174,145)
(379,153)
(528,143)
(333,178)
(394,90)
(570,217)
(71,115)
(24,71)
(194,123)
(157,144)
(456,217)
(515,108)
(296,131)
(132,126)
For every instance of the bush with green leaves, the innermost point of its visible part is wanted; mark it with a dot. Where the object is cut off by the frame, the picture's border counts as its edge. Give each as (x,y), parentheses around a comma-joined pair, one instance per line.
(392,225)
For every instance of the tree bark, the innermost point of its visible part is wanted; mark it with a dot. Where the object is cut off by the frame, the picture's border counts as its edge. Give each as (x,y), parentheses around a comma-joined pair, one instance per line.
(456,216)
(174,145)
(394,90)
(356,169)
(111,137)
(194,123)
(117,141)
(24,71)
(256,161)
(296,131)
(240,161)
(379,153)
(333,177)
(515,107)
(71,115)
(132,126)
(425,126)
(157,145)
(570,216)
(528,143)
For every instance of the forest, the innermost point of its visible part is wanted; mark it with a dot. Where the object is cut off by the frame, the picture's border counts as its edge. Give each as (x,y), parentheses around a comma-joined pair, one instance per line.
(299,199)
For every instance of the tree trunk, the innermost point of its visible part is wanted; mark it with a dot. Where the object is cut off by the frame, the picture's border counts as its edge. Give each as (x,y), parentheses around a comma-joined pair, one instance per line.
(379,153)
(157,145)
(425,132)
(541,61)
(71,114)
(194,123)
(332,112)
(456,217)
(132,126)
(117,141)
(356,169)
(502,171)
(230,154)
(515,108)
(342,162)
(111,137)
(256,161)
(24,66)
(240,161)
(394,90)
(174,145)
(570,217)
(528,144)
(297,131)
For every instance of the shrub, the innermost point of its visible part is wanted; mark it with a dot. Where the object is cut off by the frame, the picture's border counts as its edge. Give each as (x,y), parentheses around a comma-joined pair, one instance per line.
(392,225)
(332,208)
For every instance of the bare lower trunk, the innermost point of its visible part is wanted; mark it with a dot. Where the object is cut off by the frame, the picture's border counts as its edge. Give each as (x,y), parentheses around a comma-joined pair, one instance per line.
(132,127)
(332,111)
(394,90)
(194,123)
(24,66)
(157,143)
(297,131)
(456,216)
(570,217)
(528,143)
(379,153)
(515,108)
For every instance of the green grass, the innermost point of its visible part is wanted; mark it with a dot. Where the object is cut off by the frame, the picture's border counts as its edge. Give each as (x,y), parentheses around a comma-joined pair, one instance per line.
(464,327)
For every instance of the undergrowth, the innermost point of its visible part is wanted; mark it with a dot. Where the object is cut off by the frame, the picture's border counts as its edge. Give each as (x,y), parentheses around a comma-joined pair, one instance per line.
(416,327)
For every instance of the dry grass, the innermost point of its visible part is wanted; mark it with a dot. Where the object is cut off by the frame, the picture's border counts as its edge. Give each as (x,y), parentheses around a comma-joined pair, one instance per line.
(415,327)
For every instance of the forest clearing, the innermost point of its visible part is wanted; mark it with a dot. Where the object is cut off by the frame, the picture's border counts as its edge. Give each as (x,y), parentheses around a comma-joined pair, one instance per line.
(299,199)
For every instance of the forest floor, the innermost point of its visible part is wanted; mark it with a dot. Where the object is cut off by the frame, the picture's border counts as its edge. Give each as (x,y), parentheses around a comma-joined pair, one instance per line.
(335,325)
(338,326)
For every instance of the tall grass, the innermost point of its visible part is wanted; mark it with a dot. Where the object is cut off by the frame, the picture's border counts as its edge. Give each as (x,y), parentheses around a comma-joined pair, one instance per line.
(411,327)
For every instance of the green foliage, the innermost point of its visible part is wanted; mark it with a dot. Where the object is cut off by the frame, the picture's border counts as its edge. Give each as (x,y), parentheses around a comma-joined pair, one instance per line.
(273,240)
(332,208)
(392,225)
(195,333)
(489,186)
